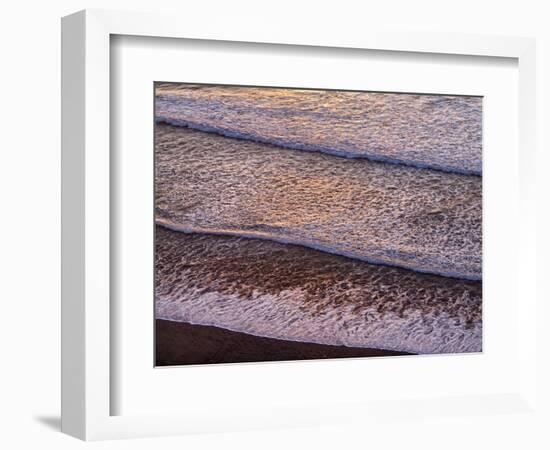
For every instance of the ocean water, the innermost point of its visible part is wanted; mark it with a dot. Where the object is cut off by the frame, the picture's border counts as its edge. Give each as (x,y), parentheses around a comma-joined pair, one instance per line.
(341,218)
(421,219)
(442,132)
(291,292)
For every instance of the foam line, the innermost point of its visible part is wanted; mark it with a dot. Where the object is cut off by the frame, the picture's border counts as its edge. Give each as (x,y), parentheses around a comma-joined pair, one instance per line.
(323,248)
(293,145)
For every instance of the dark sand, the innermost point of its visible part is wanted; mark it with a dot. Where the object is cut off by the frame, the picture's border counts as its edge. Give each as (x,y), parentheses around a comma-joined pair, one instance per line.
(179,343)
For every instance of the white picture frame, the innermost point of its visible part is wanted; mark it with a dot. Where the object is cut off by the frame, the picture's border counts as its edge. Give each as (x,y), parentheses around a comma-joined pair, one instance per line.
(87,327)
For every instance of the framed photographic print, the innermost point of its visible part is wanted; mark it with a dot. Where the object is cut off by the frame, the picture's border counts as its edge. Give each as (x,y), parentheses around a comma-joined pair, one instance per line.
(306,224)
(268,228)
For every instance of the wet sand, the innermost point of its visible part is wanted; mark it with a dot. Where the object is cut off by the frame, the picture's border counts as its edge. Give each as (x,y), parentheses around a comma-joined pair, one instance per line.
(179,343)
(293,293)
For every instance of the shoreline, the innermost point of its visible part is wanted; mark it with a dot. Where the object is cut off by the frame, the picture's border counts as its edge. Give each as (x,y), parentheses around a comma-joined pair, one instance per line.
(293,293)
(180,343)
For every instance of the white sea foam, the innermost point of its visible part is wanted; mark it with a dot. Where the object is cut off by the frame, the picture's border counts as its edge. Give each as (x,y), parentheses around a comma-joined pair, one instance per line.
(373,155)
(284,292)
(282,317)
(420,219)
(334,249)
(439,132)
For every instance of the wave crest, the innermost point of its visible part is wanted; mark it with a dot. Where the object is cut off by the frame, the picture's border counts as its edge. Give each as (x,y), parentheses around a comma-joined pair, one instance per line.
(293,145)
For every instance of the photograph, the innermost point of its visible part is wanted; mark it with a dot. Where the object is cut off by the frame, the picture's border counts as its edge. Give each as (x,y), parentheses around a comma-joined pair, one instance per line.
(299,224)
